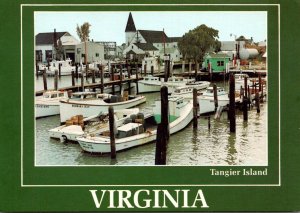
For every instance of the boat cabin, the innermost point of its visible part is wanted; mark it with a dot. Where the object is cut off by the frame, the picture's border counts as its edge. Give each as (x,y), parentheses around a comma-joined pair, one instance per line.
(181,90)
(151,78)
(210,91)
(130,129)
(175,105)
(84,95)
(53,94)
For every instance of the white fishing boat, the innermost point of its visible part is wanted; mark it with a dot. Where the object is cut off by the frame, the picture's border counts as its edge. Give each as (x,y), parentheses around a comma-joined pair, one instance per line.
(66,67)
(187,91)
(48,103)
(141,130)
(174,82)
(92,103)
(206,100)
(149,84)
(78,126)
(240,80)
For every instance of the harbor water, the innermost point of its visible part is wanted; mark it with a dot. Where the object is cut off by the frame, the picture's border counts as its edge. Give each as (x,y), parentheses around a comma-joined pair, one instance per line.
(202,147)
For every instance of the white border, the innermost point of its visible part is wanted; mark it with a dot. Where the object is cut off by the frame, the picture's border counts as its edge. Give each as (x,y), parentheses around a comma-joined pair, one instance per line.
(28,185)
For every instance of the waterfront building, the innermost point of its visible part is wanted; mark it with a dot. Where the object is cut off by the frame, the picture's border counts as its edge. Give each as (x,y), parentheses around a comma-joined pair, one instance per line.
(95,52)
(47,43)
(215,62)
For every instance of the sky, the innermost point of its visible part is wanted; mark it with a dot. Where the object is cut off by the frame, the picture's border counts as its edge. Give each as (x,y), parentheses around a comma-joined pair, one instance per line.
(110,26)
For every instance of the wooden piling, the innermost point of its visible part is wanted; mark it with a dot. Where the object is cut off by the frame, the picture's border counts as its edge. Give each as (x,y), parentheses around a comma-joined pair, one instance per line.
(82,82)
(215,97)
(208,122)
(259,82)
(232,103)
(145,69)
(137,77)
(76,71)
(93,76)
(112,78)
(101,79)
(166,71)
(257,102)
(129,82)
(245,100)
(249,97)
(196,70)
(163,129)
(59,70)
(55,80)
(112,132)
(168,68)
(129,71)
(262,94)
(121,77)
(190,67)
(45,79)
(37,70)
(195,108)
(73,78)
(86,72)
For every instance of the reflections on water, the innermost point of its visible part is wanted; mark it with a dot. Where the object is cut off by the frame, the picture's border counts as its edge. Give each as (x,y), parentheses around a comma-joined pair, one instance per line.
(202,147)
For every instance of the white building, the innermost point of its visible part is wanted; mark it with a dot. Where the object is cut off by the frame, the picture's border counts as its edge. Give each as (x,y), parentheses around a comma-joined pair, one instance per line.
(95,52)
(150,42)
(44,45)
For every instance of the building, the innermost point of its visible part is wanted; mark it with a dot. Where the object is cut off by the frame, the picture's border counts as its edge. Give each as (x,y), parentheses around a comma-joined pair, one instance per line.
(95,52)
(140,50)
(149,42)
(110,49)
(215,62)
(46,45)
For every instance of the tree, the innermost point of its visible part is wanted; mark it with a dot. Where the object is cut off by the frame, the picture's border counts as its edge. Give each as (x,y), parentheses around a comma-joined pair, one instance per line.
(195,43)
(59,50)
(83,33)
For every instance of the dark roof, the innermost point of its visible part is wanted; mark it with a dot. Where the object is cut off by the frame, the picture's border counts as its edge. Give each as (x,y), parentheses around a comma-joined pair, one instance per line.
(152,36)
(173,39)
(145,46)
(130,27)
(47,38)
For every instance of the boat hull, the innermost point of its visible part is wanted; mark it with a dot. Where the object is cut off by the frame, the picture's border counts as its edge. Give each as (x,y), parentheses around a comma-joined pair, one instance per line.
(93,146)
(69,109)
(146,87)
(44,110)
(207,105)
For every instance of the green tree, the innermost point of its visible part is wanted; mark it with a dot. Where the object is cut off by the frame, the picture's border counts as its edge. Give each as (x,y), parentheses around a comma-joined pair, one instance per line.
(195,43)
(83,33)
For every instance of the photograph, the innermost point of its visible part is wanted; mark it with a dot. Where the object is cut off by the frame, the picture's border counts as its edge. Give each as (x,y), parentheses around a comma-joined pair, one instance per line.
(142,88)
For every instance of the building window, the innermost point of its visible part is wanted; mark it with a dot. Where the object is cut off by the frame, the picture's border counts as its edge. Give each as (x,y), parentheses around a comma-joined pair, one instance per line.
(220,63)
(97,54)
(132,47)
(174,46)
(82,55)
(48,54)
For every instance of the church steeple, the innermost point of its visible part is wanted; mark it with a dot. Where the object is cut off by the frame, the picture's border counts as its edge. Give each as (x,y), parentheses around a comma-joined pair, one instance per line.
(130,27)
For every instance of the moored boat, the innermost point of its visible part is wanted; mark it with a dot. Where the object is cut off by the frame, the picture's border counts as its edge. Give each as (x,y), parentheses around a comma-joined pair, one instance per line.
(187,91)
(143,129)
(149,84)
(206,100)
(65,67)
(92,103)
(48,103)
(78,126)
